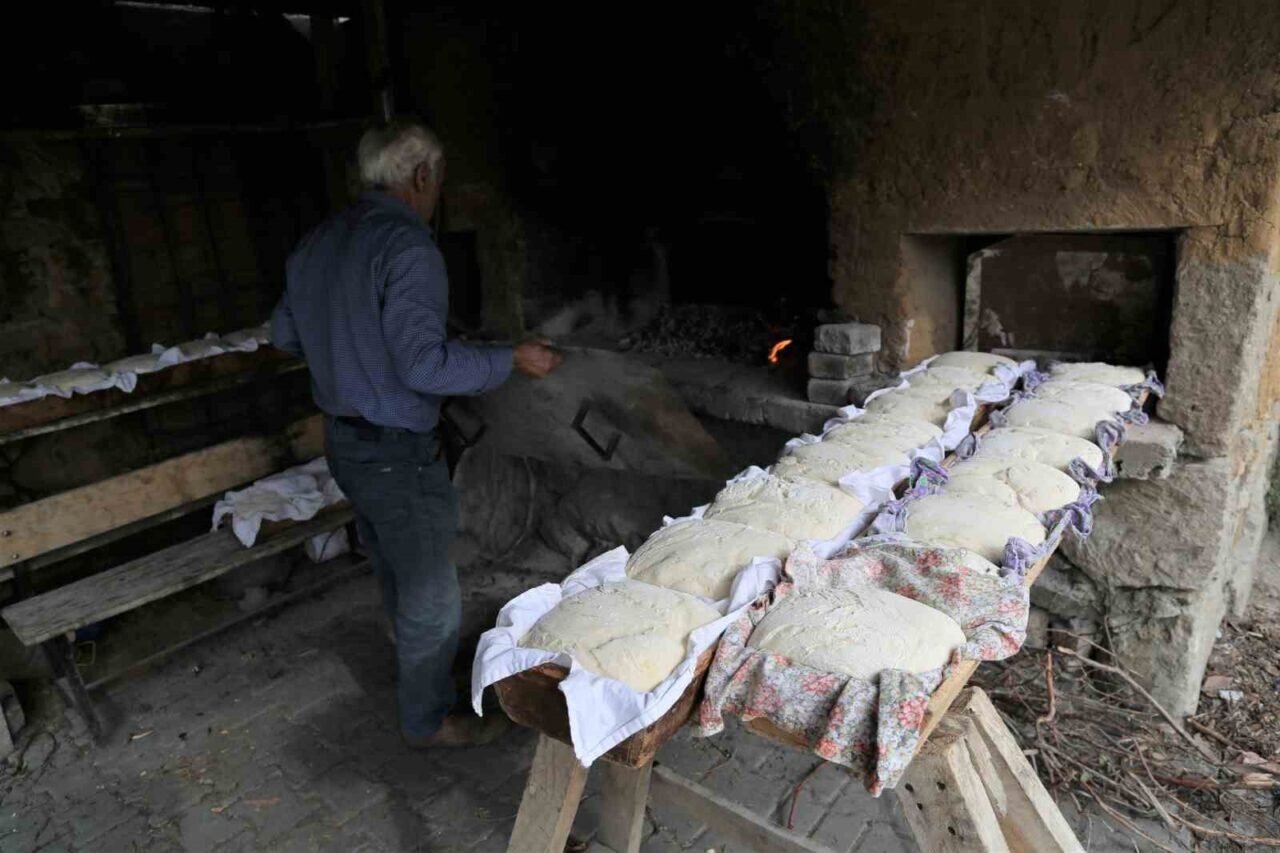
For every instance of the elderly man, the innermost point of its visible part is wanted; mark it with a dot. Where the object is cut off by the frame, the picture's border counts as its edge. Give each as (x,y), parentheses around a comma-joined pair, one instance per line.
(365,303)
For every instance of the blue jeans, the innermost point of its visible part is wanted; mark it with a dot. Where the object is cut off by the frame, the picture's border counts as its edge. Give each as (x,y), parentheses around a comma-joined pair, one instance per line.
(407,516)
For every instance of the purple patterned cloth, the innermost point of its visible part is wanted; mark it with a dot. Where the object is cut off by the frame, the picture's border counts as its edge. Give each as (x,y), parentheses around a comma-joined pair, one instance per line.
(872,726)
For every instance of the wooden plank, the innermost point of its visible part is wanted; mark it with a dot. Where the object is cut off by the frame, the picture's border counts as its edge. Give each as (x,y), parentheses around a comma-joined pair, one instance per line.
(964,727)
(623,800)
(180,382)
(154,576)
(550,801)
(150,401)
(1032,821)
(329,573)
(725,818)
(58,521)
(945,803)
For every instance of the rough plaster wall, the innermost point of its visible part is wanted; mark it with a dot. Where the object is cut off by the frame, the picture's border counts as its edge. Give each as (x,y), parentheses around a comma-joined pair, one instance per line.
(57,305)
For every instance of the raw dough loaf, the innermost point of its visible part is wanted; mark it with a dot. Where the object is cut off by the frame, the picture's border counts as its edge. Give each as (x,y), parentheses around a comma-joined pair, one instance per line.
(1085,395)
(80,380)
(828,461)
(859,632)
(148,363)
(930,405)
(1056,416)
(950,378)
(798,509)
(980,362)
(702,557)
(979,523)
(899,433)
(1097,371)
(1035,487)
(628,631)
(1038,445)
(205,347)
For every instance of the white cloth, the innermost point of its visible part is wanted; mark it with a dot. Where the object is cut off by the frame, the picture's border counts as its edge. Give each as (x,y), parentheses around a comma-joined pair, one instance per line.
(603,712)
(296,494)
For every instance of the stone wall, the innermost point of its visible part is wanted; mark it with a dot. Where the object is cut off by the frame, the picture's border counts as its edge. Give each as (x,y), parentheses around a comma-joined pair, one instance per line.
(990,117)
(57,300)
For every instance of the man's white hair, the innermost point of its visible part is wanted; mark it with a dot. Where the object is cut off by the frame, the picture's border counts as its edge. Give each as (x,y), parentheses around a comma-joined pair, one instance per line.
(389,153)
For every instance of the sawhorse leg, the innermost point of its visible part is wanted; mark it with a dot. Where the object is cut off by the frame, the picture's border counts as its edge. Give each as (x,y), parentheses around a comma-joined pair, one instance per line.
(550,800)
(970,789)
(61,654)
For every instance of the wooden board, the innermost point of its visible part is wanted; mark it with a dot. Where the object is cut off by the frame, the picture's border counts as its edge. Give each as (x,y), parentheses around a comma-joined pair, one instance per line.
(945,802)
(623,798)
(154,576)
(550,801)
(1030,819)
(182,381)
(63,519)
(533,699)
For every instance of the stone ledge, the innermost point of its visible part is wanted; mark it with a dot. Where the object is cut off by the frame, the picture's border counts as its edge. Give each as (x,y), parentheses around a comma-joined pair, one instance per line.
(1149,451)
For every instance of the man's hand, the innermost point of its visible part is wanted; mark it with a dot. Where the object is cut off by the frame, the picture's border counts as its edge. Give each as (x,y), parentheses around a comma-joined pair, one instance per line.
(536,358)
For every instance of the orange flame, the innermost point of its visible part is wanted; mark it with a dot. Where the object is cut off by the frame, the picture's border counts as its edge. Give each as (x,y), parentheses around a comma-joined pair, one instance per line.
(777,348)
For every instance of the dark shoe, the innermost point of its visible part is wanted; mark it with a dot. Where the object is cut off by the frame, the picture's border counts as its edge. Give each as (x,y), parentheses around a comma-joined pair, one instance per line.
(459,731)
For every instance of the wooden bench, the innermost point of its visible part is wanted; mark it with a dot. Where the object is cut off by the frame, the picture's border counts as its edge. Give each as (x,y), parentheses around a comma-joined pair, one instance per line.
(40,534)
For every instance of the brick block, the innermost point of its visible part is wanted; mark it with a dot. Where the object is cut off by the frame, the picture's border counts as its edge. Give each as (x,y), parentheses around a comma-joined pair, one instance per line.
(831,392)
(847,338)
(825,365)
(1148,451)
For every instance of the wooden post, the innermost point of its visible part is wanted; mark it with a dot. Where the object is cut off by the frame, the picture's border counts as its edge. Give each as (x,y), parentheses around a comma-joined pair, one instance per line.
(1031,820)
(550,801)
(622,806)
(945,802)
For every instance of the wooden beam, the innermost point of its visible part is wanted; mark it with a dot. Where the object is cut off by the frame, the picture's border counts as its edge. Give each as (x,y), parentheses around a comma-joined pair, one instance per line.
(63,519)
(1032,821)
(725,818)
(155,576)
(623,801)
(180,382)
(550,802)
(945,803)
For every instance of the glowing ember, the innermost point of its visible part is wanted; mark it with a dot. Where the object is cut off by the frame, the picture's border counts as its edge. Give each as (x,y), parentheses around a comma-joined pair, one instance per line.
(777,348)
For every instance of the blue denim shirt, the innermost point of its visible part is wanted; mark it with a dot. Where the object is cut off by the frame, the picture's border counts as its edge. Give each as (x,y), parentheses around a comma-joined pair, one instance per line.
(365,303)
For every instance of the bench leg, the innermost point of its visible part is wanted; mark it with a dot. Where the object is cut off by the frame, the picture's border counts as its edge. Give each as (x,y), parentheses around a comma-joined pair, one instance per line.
(550,801)
(61,655)
(623,800)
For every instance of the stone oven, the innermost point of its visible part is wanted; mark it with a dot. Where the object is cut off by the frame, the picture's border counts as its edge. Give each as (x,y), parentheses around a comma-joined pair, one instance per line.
(1096,183)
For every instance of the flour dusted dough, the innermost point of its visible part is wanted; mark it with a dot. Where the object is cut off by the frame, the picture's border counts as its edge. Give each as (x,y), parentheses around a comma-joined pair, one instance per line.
(828,461)
(1085,394)
(628,631)
(859,632)
(976,522)
(1097,371)
(1038,445)
(930,405)
(980,362)
(76,380)
(798,509)
(1056,416)
(1033,486)
(702,557)
(950,378)
(148,363)
(899,433)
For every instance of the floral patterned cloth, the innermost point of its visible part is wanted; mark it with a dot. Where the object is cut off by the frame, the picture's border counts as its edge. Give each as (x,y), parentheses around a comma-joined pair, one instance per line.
(873,726)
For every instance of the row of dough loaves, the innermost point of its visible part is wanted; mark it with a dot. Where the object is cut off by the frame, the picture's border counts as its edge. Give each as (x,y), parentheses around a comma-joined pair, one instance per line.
(637,631)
